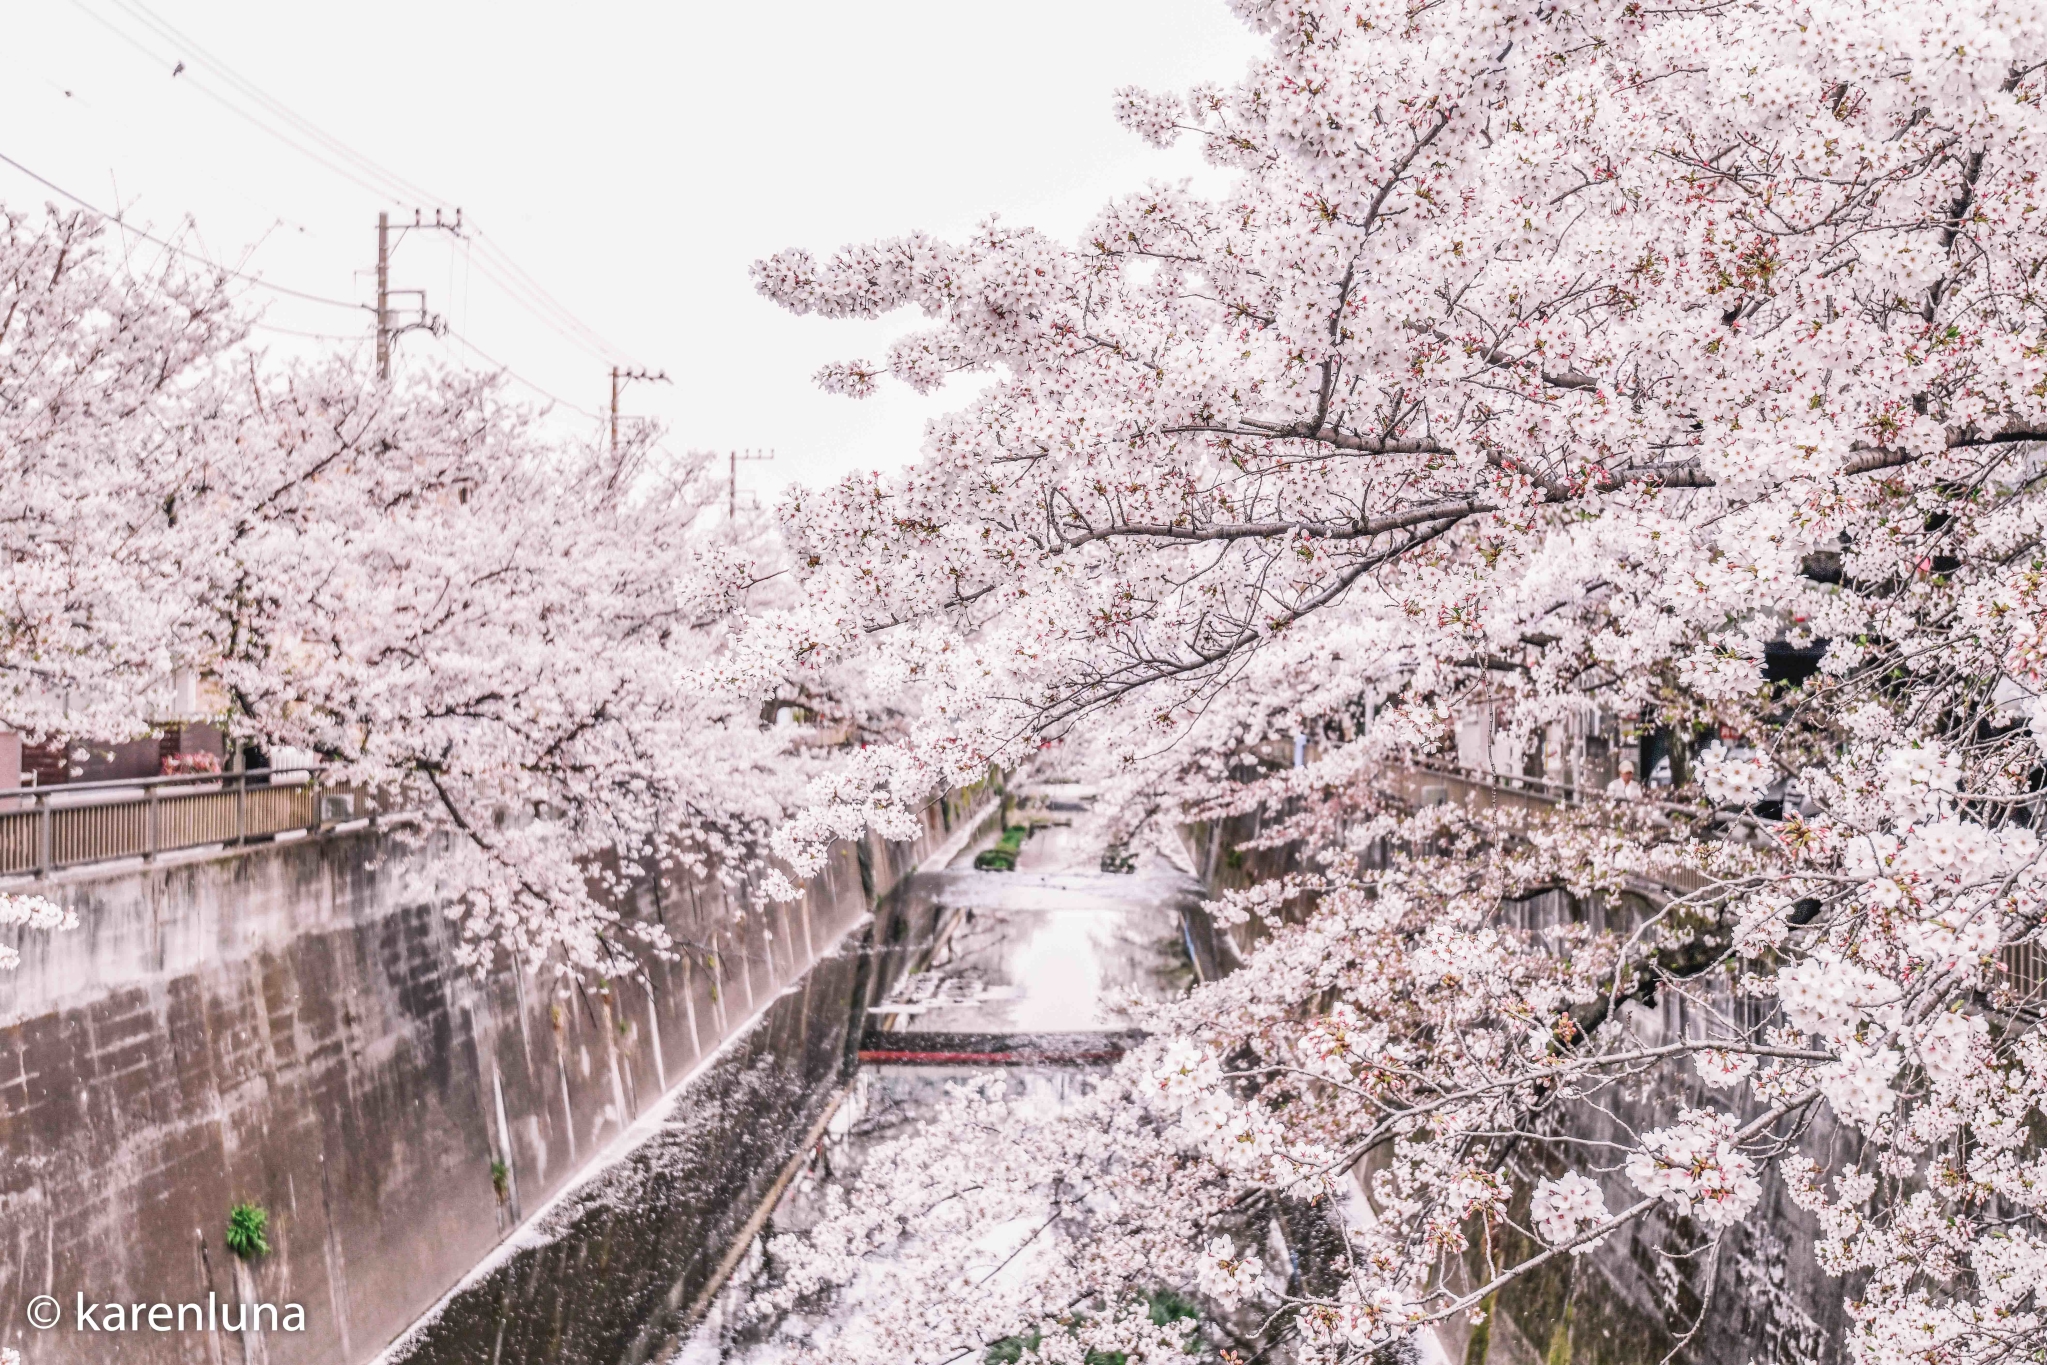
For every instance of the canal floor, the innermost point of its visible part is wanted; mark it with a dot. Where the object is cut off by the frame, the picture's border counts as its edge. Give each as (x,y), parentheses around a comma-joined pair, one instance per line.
(1058,954)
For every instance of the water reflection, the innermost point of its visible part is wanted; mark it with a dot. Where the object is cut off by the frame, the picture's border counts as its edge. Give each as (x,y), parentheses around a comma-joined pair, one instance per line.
(1056,947)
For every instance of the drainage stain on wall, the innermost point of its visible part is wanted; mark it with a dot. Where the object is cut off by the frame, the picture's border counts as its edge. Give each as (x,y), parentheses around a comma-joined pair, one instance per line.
(287,1027)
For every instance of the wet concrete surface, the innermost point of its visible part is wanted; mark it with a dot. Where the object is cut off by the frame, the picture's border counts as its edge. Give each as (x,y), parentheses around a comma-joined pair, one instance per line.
(1051,955)
(1057,946)
(1046,954)
(484,1166)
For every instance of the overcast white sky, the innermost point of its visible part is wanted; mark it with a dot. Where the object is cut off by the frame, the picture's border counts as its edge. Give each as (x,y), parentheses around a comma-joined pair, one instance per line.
(633,158)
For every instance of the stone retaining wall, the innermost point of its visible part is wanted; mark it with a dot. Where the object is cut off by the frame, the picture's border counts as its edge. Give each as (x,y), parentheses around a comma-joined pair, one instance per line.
(287,1026)
(1762,1299)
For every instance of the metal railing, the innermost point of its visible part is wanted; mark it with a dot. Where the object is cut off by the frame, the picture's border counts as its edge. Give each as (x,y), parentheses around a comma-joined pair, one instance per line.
(2024,964)
(2025,969)
(47,829)
(1415,782)
(1425,784)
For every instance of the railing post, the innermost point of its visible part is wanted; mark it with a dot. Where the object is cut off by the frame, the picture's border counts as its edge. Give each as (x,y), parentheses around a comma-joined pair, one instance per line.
(150,838)
(44,837)
(241,806)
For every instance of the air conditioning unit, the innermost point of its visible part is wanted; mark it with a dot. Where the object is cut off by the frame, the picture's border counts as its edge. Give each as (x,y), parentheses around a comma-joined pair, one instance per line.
(336,806)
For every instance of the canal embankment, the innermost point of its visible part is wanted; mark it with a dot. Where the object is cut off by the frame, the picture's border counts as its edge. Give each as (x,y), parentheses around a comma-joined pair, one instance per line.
(1038,981)
(547,1170)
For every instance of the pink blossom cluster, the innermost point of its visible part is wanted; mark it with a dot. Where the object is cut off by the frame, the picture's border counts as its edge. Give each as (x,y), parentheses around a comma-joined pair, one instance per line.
(1697,1167)
(1566,1207)
(1539,388)
(32,912)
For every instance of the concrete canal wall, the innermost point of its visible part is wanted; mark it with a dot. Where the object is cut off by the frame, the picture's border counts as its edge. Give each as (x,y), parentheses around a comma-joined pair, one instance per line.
(1761,1299)
(288,1026)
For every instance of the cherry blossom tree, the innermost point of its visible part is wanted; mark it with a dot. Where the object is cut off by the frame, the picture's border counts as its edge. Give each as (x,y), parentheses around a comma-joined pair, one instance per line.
(110,386)
(455,609)
(1555,361)
(1513,301)
(422,590)
(33,912)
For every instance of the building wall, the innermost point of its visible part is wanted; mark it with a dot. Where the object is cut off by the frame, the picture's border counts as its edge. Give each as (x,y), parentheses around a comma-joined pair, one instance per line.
(59,762)
(287,1026)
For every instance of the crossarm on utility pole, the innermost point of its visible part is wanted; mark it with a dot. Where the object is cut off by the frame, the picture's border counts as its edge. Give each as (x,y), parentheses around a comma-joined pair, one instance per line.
(619,379)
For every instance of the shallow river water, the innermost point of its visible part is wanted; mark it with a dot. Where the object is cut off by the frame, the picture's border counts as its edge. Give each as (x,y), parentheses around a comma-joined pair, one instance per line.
(1058,947)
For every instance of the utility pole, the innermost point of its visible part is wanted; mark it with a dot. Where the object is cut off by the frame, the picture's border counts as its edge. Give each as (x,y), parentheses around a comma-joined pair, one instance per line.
(386,331)
(619,379)
(383,296)
(732,482)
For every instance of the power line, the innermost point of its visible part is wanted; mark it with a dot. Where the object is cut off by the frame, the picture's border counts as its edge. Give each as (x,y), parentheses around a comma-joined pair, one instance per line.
(588,336)
(336,156)
(261,283)
(173,247)
(497,265)
(265,126)
(211,264)
(392,185)
(310,336)
(513,374)
(489,262)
